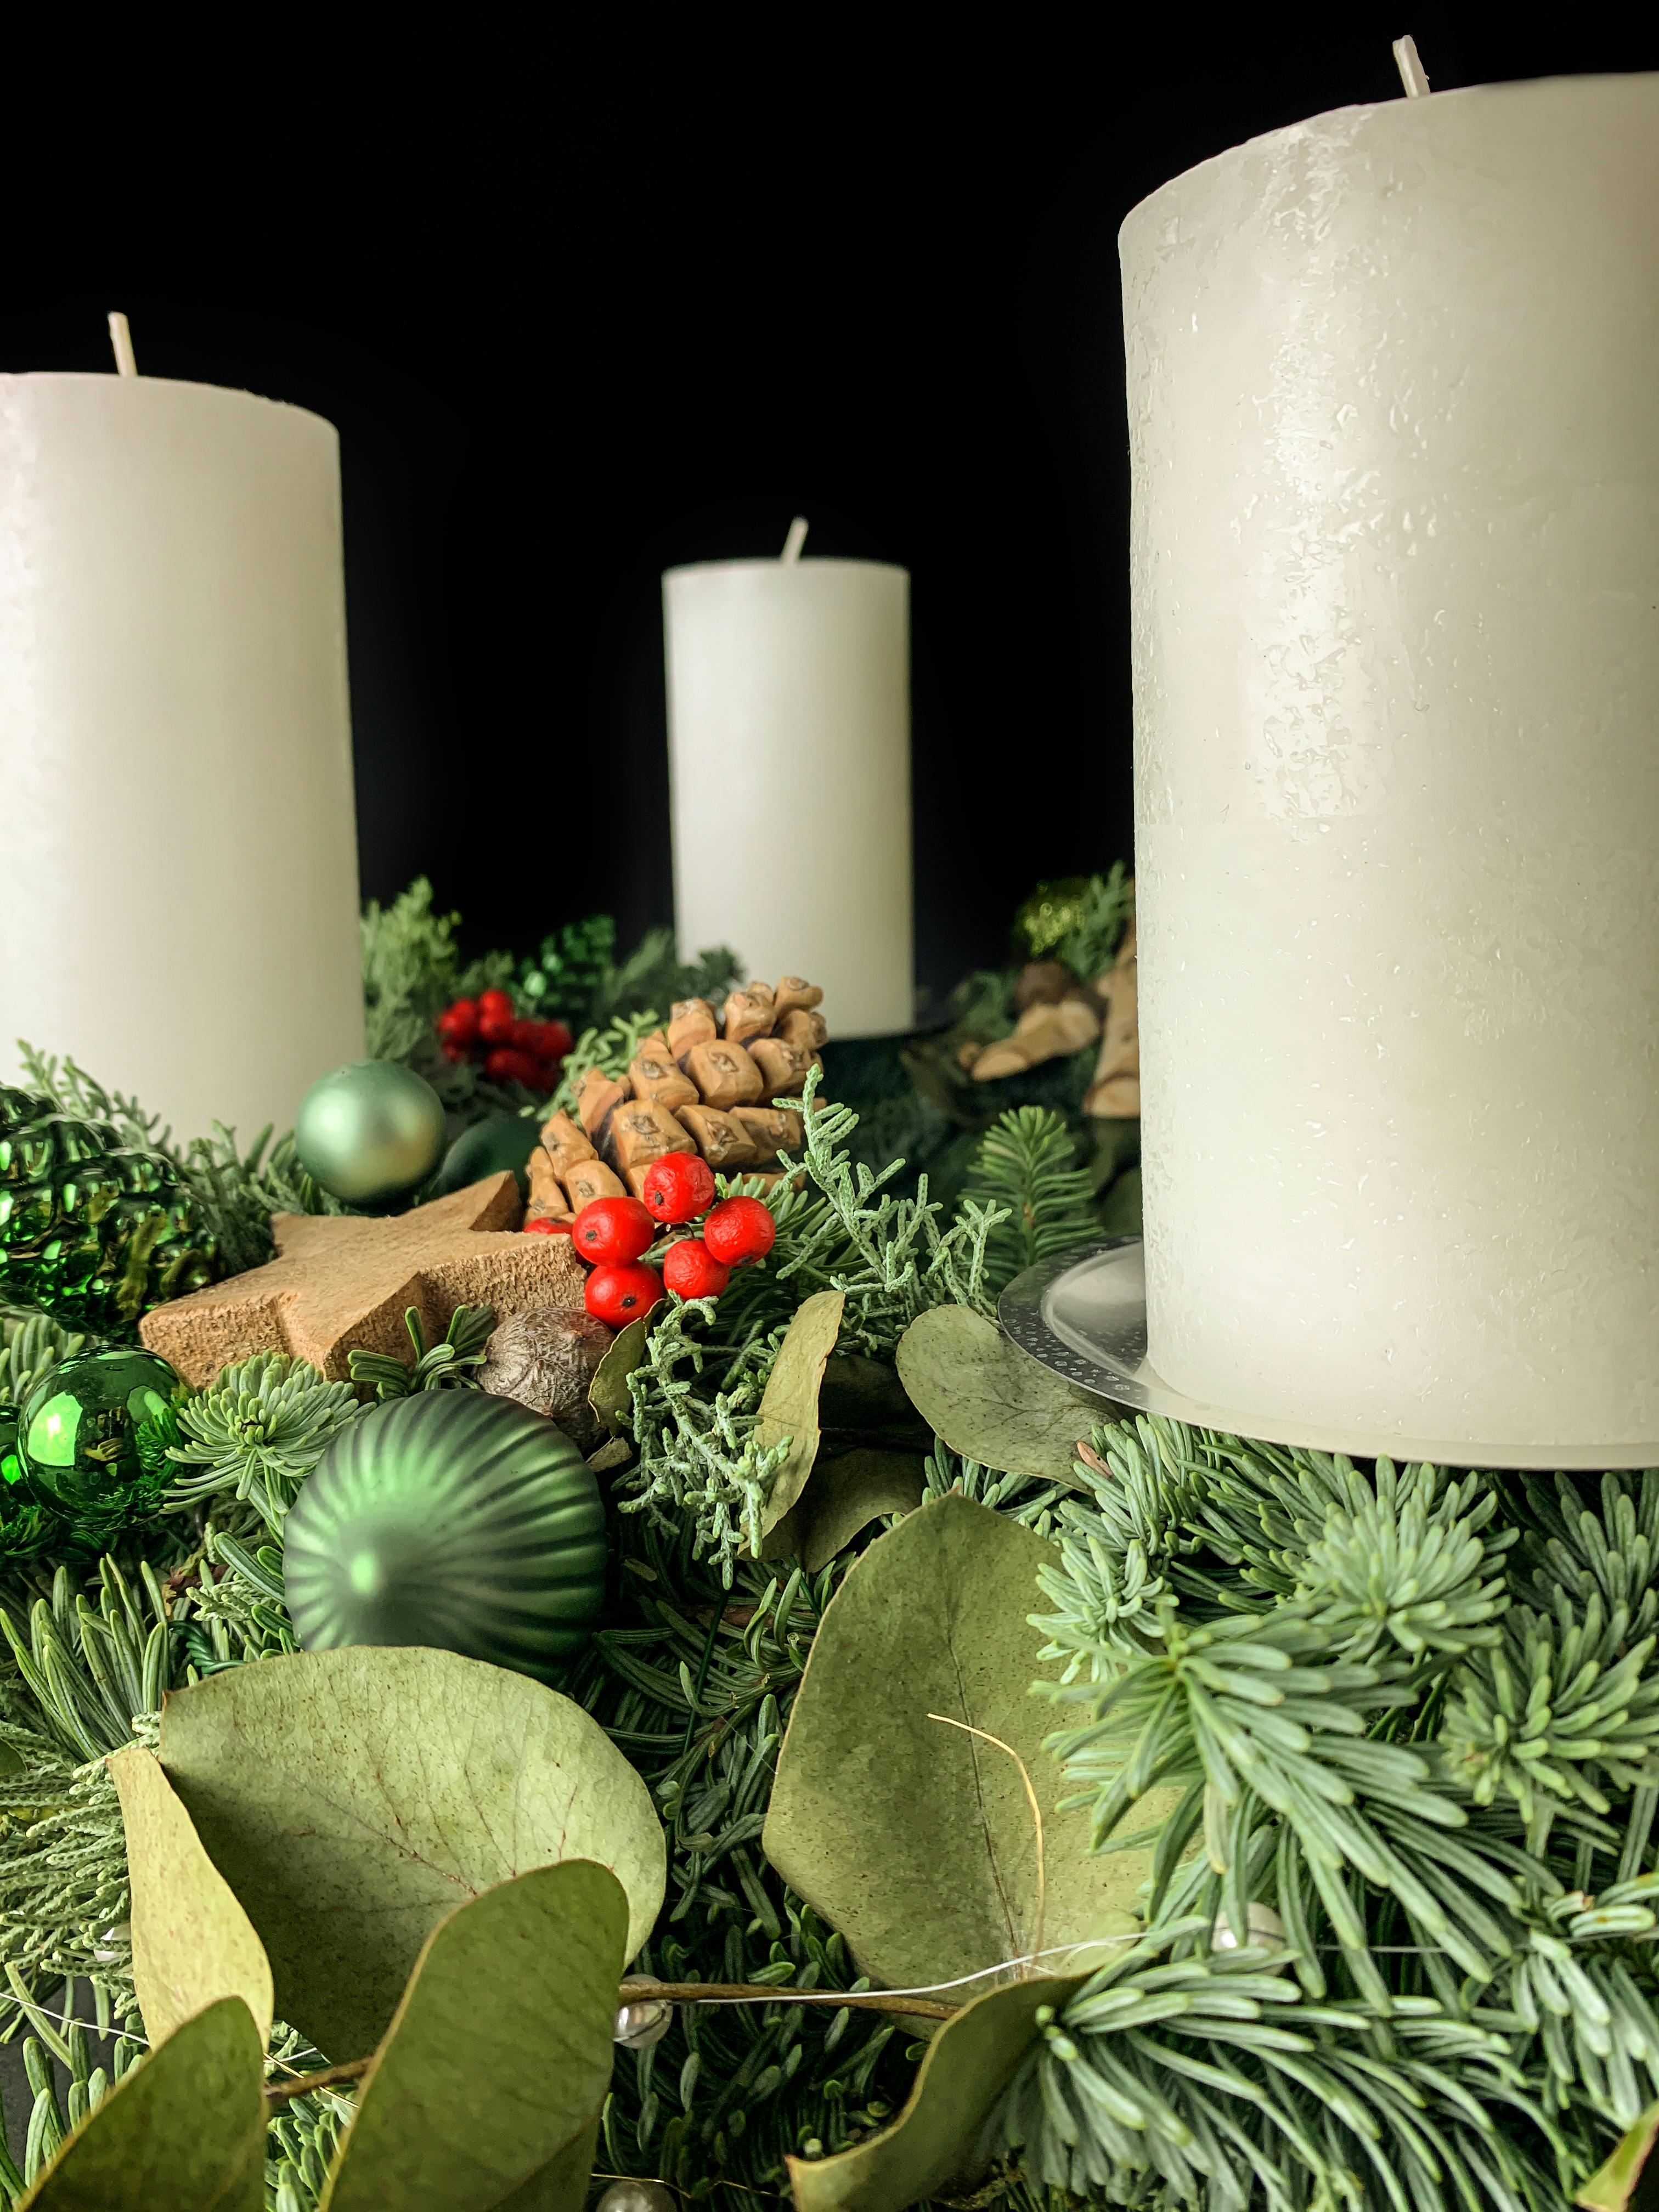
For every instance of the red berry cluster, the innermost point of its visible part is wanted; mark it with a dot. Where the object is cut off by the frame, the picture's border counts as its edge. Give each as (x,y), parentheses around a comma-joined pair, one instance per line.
(486,1029)
(613,1234)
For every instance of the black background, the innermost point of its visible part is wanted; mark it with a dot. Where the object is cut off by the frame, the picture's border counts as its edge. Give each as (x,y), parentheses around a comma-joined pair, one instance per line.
(583,307)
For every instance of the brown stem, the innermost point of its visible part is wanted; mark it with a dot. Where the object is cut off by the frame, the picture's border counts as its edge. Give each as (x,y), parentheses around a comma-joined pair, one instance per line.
(278,2093)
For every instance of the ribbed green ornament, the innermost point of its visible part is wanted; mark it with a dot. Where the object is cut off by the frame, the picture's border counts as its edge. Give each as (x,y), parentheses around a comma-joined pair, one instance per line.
(454,1520)
(92,1230)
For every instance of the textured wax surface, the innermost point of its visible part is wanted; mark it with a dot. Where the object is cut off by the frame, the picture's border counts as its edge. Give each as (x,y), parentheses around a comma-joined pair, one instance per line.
(178,895)
(1393,407)
(789,757)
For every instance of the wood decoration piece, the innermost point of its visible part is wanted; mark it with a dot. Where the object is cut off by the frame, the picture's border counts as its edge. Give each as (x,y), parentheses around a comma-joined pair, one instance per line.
(794,991)
(785,1067)
(1043,1032)
(691,1021)
(1114,1094)
(749,1013)
(724,1074)
(720,1138)
(340,1283)
(588,1180)
(654,1076)
(807,1032)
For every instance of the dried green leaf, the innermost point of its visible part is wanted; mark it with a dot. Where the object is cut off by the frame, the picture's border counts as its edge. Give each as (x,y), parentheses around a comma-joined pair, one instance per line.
(1629,2182)
(351,1798)
(191,1941)
(845,1494)
(607,1394)
(913,1838)
(933,2142)
(504,2113)
(790,1409)
(185,2131)
(991,1401)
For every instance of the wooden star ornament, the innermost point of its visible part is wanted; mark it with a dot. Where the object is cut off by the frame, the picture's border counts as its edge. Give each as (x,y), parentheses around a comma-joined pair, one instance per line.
(341,1283)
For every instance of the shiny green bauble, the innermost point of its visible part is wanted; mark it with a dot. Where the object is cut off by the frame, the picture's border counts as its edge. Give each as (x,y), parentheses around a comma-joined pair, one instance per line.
(505,1140)
(93,1437)
(451,1519)
(371,1131)
(1049,915)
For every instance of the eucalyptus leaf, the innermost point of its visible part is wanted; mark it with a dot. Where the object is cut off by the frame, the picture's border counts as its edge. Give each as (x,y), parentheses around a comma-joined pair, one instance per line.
(789,1409)
(191,1941)
(915,1839)
(934,2140)
(845,1494)
(991,1401)
(503,2111)
(352,1798)
(607,1394)
(1628,2181)
(185,2131)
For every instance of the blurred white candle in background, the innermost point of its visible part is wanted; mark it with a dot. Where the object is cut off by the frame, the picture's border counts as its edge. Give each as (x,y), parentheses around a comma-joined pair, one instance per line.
(178,858)
(789,761)
(1393,405)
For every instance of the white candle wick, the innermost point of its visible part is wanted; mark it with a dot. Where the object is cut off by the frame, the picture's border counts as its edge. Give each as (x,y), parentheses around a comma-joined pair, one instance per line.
(1412,75)
(121,338)
(796,539)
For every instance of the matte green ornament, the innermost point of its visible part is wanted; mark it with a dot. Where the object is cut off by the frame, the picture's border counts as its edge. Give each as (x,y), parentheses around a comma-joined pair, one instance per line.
(371,1131)
(454,1520)
(92,1441)
(505,1140)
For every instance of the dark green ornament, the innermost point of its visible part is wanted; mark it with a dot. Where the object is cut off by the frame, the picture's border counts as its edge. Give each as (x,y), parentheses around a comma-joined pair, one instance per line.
(370,1133)
(505,1140)
(451,1519)
(93,1437)
(93,1230)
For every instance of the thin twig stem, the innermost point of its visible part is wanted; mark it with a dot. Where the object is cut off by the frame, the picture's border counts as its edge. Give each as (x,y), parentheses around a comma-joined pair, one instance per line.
(278,2093)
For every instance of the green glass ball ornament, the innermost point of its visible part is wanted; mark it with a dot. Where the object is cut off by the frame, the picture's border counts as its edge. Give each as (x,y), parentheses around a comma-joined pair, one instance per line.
(505,1140)
(93,1436)
(451,1519)
(371,1131)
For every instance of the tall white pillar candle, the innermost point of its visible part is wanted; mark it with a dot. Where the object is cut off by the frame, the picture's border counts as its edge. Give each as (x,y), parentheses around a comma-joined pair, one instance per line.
(789,759)
(1393,405)
(178,858)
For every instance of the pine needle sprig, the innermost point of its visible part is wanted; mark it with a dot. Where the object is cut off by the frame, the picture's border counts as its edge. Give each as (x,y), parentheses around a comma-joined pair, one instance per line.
(258,1432)
(1088,946)
(1026,1165)
(449,1364)
(33,1345)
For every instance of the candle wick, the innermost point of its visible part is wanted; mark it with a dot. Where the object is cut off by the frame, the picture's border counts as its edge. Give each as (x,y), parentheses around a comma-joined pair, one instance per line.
(1412,75)
(121,338)
(796,539)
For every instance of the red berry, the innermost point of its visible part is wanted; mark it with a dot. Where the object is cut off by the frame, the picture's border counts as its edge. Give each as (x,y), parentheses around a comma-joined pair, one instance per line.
(619,1295)
(678,1187)
(557,1039)
(527,1036)
(505,1065)
(561,1227)
(458,1025)
(613,1230)
(496,1018)
(691,1268)
(739,1229)
(495,1002)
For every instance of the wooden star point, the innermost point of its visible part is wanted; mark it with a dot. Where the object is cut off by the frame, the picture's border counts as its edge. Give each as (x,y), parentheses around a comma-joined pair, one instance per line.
(340,1284)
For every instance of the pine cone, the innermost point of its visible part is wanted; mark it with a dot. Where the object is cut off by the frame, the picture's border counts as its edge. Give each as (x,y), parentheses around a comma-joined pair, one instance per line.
(703,1084)
(92,1230)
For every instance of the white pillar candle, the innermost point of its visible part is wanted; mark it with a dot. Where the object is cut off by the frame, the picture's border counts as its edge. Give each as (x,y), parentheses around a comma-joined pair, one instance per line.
(789,760)
(179,886)
(1393,405)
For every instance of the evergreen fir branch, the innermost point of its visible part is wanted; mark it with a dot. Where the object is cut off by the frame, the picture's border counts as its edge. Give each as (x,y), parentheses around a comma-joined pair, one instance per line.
(447,1365)
(258,1432)
(33,1347)
(1034,1504)
(653,974)
(410,965)
(1089,947)
(1026,1165)
(70,1090)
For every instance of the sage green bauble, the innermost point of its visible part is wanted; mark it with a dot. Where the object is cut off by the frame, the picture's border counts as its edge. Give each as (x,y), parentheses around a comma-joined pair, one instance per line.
(505,1140)
(93,1436)
(451,1519)
(371,1131)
